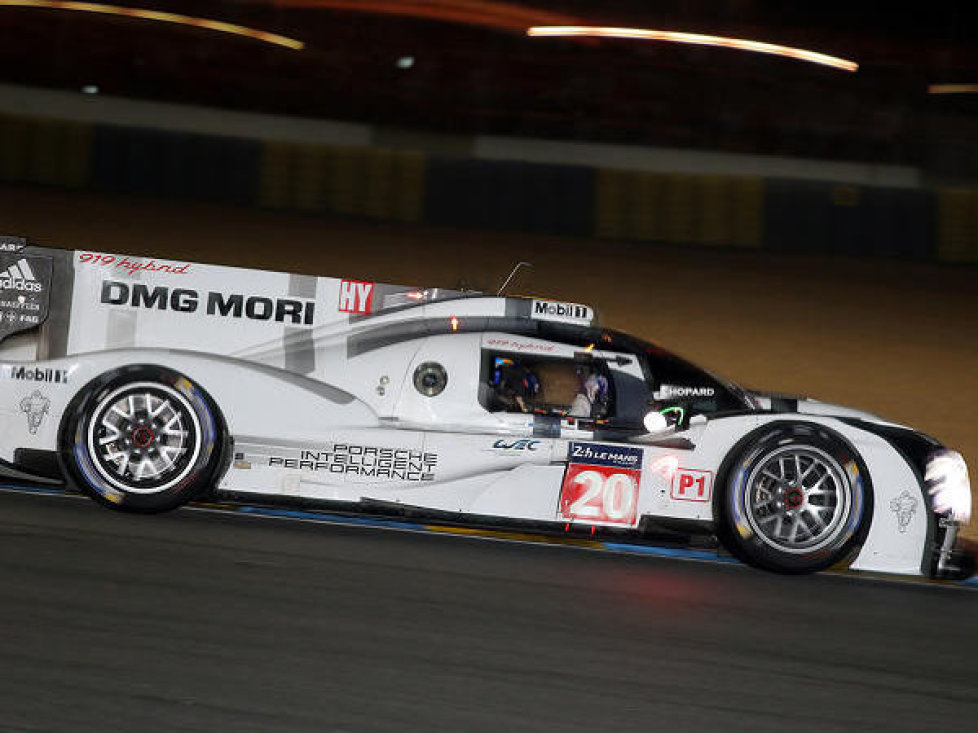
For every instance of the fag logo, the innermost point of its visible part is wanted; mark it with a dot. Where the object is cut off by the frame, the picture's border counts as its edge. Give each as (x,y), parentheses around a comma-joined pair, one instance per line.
(19,276)
(356,296)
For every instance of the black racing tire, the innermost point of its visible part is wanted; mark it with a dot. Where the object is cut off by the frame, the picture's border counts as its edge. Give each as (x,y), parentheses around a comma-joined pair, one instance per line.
(797,498)
(142,439)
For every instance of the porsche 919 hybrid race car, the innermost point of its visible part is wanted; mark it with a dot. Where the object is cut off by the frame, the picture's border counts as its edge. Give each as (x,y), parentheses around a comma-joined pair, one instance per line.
(146,383)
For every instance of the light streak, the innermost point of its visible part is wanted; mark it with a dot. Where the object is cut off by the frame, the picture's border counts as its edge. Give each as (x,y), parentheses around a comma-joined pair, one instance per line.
(698,39)
(952,89)
(143,14)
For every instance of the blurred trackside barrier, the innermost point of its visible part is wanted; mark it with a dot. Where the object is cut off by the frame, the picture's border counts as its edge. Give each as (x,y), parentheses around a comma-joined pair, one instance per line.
(679,208)
(576,200)
(499,194)
(370,182)
(957,229)
(814,216)
(174,164)
(47,152)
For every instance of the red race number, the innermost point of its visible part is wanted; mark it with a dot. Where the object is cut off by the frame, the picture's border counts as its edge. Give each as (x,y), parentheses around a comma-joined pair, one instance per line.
(599,495)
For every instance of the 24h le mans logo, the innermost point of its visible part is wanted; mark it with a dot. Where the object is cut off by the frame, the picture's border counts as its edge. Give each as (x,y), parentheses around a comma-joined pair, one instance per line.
(35,406)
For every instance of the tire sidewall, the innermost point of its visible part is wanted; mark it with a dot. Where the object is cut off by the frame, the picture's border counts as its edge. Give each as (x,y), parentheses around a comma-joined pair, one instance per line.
(736,530)
(80,466)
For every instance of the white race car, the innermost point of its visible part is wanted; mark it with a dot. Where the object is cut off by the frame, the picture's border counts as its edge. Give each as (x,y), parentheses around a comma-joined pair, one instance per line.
(147,383)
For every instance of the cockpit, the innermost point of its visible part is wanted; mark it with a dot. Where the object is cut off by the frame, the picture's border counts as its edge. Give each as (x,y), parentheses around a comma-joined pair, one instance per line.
(601,378)
(549,386)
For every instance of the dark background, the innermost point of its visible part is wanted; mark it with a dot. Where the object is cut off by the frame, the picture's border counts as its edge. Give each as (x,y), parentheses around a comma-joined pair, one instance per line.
(481,74)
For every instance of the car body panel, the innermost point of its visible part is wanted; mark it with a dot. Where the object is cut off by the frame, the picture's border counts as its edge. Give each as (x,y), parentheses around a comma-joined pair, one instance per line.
(317,382)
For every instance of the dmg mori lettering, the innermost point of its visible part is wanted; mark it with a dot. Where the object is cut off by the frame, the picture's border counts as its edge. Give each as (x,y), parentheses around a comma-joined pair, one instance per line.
(227,305)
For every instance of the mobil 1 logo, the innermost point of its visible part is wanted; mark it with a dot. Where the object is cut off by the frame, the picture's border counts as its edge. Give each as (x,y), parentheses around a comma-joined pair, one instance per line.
(25,286)
(551,310)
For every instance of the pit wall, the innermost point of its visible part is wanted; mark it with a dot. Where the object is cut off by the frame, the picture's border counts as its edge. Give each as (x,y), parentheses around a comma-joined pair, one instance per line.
(439,189)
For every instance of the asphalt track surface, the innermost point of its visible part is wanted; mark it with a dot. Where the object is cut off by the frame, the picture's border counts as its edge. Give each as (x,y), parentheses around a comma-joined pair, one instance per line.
(198,620)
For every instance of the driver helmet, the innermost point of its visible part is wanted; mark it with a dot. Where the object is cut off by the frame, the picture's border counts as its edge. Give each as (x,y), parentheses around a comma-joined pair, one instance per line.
(596,388)
(510,377)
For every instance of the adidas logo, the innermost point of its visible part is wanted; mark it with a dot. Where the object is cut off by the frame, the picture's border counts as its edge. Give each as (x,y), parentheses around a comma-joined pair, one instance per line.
(19,276)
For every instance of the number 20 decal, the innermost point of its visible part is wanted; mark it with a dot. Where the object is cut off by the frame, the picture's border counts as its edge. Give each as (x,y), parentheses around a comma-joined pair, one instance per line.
(599,495)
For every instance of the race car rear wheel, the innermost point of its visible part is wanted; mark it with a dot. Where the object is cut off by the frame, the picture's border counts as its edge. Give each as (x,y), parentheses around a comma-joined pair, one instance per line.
(143,439)
(797,500)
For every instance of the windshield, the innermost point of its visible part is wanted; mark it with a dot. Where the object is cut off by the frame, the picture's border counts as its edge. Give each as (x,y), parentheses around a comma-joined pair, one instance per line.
(669,379)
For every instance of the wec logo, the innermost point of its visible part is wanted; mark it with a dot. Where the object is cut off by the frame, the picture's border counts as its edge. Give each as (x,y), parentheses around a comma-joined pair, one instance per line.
(522,444)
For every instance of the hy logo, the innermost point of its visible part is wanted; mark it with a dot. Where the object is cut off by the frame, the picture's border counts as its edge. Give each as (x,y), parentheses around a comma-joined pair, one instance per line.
(356,296)
(19,276)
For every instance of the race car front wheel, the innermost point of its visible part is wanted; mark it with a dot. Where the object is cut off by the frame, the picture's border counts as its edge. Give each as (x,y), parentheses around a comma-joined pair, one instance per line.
(143,439)
(797,500)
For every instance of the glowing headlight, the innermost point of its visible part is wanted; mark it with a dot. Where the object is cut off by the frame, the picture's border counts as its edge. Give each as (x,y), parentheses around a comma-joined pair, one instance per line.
(947,482)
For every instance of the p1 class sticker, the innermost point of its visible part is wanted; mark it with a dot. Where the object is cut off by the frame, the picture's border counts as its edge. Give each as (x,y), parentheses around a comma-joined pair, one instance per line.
(25,288)
(692,484)
(601,485)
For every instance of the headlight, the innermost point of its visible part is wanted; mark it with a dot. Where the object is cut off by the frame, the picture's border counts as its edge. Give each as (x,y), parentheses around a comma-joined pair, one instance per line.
(947,482)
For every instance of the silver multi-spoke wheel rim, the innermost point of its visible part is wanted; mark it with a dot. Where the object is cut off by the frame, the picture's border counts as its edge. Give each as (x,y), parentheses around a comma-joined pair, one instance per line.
(144,437)
(797,499)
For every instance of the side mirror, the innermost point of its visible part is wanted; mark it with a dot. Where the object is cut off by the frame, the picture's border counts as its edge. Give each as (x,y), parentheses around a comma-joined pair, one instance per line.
(655,422)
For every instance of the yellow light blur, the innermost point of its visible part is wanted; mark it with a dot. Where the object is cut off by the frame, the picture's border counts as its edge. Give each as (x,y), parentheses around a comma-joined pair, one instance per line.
(952,89)
(143,14)
(648,34)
